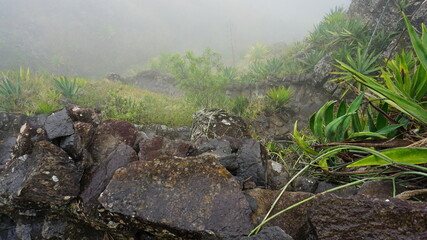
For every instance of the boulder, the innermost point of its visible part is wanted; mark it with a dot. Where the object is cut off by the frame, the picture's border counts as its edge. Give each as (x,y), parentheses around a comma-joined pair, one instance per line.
(215,123)
(250,161)
(108,135)
(52,177)
(85,115)
(76,144)
(294,222)
(379,189)
(59,124)
(102,174)
(159,146)
(244,158)
(194,198)
(335,217)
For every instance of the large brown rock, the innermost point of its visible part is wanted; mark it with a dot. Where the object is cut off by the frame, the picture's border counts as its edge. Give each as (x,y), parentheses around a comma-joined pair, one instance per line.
(53,178)
(102,174)
(195,198)
(339,218)
(294,222)
(108,135)
(159,146)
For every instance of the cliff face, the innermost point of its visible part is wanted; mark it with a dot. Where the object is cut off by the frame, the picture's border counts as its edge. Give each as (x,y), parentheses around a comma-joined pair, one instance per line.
(371,10)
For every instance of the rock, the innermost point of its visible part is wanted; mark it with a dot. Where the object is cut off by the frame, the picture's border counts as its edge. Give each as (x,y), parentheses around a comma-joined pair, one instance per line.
(270,233)
(378,188)
(294,222)
(85,115)
(182,133)
(102,174)
(114,77)
(155,81)
(6,151)
(251,166)
(278,182)
(305,184)
(28,135)
(222,149)
(216,123)
(7,228)
(334,217)
(159,146)
(52,176)
(343,192)
(108,135)
(76,145)
(323,69)
(194,197)
(55,227)
(59,124)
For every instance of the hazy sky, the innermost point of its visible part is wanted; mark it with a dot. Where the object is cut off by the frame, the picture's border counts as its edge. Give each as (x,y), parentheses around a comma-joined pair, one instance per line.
(93,37)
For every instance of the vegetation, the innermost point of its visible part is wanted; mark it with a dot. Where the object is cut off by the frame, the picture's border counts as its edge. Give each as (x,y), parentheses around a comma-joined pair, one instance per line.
(383,130)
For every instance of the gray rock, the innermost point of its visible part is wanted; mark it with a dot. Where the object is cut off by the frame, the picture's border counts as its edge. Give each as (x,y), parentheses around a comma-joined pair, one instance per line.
(343,192)
(194,197)
(334,217)
(270,233)
(251,166)
(59,124)
(305,184)
(278,182)
(215,123)
(323,69)
(52,178)
(76,144)
(85,115)
(379,189)
(101,175)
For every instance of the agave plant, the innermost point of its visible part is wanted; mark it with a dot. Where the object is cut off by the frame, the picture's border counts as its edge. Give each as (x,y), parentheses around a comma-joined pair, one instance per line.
(8,88)
(279,96)
(69,88)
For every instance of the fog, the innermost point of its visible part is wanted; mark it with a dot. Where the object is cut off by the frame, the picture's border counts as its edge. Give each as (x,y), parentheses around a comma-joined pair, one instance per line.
(91,38)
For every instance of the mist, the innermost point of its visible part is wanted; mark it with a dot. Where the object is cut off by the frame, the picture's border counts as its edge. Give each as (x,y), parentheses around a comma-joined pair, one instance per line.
(90,38)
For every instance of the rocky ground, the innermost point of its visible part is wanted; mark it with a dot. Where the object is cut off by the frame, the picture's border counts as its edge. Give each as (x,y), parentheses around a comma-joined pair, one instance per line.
(71,175)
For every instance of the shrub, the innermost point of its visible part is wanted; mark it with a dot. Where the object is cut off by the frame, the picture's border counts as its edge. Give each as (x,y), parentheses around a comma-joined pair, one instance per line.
(69,88)
(239,105)
(279,96)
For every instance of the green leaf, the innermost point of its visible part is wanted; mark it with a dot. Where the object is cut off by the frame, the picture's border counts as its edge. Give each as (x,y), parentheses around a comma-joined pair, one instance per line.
(381,120)
(331,130)
(301,143)
(419,45)
(366,135)
(355,104)
(405,105)
(342,109)
(329,113)
(388,129)
(398,155)
(318,120)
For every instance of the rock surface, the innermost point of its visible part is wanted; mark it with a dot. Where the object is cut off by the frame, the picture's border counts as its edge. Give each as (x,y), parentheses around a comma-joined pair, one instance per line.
(59,124)
(216,123)
(349,218)
(294,222)
(191,196)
